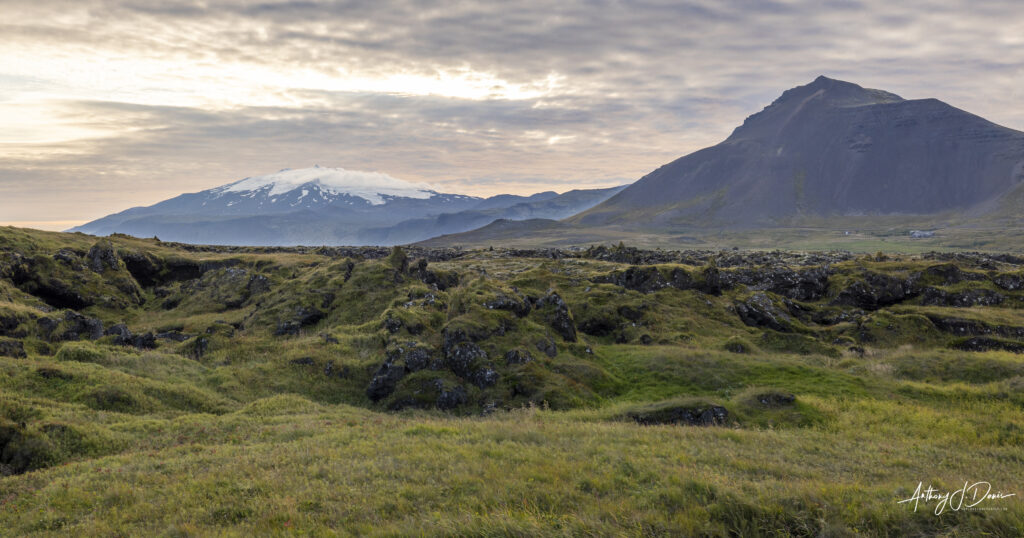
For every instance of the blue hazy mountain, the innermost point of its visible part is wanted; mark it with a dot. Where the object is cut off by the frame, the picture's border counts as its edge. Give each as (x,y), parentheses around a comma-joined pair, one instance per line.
(330,206)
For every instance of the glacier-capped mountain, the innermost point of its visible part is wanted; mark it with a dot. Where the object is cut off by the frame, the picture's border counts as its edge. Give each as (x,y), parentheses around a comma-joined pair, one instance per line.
(328,206)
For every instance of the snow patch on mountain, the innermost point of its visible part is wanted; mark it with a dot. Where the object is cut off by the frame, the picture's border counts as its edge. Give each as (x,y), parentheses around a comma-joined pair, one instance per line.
(370,186)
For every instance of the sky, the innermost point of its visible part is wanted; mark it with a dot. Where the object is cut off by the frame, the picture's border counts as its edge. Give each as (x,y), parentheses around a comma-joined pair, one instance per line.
(110,104)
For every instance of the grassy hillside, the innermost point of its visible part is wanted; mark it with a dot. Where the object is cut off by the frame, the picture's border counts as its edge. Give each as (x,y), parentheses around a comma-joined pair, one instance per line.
(149,388)
(1003,233)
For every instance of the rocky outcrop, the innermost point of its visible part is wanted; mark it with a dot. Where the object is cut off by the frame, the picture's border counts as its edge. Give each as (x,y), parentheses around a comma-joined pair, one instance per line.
(774,399)
(517,356)
(966,327)
(303,316)
(1009,281)
(384,380)
(961,299)
(547,346)
(875,290)
(642,279)
(10,323)
(982,343)
(102,257)
(948,274)
(557,315)
(464,359)
(77,326)
(124,337)
(451,398)
(759,310)
(12,348)
(804,285)
(709,415)
(517,305)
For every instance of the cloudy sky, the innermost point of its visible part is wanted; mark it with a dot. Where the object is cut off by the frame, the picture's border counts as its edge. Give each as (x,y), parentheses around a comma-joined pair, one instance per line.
(108,104)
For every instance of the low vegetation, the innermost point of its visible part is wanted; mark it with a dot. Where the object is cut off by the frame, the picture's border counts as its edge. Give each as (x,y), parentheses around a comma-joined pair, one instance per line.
(149,388)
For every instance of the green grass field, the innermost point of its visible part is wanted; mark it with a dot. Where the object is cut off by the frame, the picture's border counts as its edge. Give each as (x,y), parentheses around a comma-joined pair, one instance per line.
(499,393)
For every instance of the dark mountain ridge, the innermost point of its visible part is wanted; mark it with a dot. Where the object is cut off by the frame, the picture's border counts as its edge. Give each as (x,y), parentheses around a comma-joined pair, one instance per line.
(829,148)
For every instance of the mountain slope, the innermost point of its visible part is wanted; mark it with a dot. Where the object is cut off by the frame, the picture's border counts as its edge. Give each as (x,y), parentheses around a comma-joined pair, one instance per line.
(829,148)
(329,206)
(551,208)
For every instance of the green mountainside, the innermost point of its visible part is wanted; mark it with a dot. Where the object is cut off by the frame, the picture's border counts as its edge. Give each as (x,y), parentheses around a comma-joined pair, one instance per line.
(151,388)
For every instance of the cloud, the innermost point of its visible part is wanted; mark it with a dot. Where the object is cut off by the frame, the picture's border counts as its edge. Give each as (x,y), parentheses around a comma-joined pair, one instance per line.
(128,102)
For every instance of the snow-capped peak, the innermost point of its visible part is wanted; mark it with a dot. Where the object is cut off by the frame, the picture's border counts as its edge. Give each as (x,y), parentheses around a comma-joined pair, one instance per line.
(370,186)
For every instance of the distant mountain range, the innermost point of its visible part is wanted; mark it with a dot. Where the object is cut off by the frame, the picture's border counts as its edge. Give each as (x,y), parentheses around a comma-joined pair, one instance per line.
(330,206)
(825,154)
(820,154)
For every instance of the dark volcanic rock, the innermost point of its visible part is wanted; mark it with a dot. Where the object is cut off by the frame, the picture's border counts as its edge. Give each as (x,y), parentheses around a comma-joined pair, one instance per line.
(12,348)
(69,258)
(517,356)
(558,316)
(60,294)
(548,347)
(963,299)
(410,356)
(304,316)
(78,326)
(965,327)
(464,358)
(197,347)
(484,377)
(258,284)
(417,359)
(805,285)
(144,268)
(630,313)
(287,328)
(172,335)
(961,327)
(682,280)
(307,315)
(517,305)
(144,341)
(122,335)
(951,274)
(384,381)
(439,281)
(876,291)
(713,282)
(9,323)
(642,279)
(405,359)
(683,415)
(599,325)
(759,310)
(331,370)
(102,257)
(774,399)
(1009,281)
(392,325)
(981,343)
(450,399)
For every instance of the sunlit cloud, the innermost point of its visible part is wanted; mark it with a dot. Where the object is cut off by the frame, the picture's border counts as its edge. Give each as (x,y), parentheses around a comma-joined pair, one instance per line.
(106,104)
